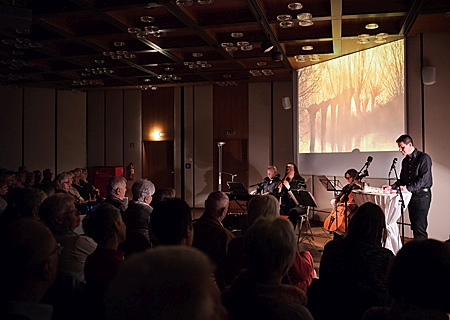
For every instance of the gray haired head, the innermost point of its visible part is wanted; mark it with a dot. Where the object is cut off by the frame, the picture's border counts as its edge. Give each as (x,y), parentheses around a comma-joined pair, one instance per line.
(142,189)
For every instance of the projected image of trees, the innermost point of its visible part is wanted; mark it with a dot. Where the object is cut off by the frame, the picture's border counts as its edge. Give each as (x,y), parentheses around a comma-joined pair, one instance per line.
(353,102)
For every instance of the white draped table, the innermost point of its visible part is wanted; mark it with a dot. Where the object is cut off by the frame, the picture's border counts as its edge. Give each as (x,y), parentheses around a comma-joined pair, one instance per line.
(390,203)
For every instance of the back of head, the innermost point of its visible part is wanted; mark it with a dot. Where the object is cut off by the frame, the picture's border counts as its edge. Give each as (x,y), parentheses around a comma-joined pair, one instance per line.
(142,189)
(53,208)
(100,223)
(170,220)
(114,183)
(25,244)
(420,274)
(368,225)
(264,206)
(167,282)
(216,202)
(162,194)
(269,247)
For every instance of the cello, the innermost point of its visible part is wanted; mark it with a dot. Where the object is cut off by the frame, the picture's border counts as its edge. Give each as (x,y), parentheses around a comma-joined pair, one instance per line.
(337,220)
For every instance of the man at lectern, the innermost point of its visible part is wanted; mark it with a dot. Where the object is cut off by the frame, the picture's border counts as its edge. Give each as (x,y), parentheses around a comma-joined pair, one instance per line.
(415,177)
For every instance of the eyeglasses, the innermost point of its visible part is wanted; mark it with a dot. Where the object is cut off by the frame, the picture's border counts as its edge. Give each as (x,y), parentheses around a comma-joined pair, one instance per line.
(74,212)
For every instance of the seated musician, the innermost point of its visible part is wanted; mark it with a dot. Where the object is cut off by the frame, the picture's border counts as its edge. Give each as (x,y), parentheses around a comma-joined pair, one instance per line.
(292,180)
(270,183)
(344,205)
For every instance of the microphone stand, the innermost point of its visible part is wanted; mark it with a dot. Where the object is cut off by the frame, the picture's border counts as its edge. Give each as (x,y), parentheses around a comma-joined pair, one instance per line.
(402,205)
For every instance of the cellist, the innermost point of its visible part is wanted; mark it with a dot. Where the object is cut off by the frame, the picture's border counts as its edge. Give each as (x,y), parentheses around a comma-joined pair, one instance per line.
(345,200)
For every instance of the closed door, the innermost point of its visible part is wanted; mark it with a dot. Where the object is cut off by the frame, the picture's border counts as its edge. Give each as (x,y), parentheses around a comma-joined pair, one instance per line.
(158,163)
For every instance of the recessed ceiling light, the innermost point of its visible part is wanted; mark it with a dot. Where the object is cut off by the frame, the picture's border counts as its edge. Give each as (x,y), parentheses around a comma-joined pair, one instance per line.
(304,16)
(284,17)
(286,24)
(371,26)
(295,6)
(237,35)
(197,54)
(261,63)
(119,44)
(305,23)
(147,19)
(307,48)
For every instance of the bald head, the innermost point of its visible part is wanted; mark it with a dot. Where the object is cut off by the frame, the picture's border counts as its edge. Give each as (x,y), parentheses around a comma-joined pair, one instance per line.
(216,204)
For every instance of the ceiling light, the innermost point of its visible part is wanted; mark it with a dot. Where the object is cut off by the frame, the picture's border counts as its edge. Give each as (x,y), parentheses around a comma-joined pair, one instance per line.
(300,58)
(305,23)
(284,17)
(267,46)
(371,26)
(237,35)
(197,54)
(295,6)
(304,16)
(286,24)
(185,3)
(205,1)
(314,58)
(261,63)
(307,48)
(147,19)
(119,44)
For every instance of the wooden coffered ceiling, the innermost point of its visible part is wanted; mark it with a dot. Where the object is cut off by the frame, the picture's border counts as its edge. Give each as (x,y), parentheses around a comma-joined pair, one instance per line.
(89,44)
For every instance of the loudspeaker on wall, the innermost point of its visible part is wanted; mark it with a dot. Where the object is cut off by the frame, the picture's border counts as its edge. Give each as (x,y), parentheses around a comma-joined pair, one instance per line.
(286,102)
(429,75)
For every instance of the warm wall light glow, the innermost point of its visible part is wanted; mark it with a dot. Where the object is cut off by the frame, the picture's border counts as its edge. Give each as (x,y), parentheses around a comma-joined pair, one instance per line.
(157,135)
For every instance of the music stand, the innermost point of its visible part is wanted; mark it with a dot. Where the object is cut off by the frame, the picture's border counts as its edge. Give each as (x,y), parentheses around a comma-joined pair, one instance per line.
(304,198)
(237,187)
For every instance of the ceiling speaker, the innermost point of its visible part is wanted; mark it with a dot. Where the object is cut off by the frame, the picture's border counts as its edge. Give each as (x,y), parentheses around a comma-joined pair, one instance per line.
(286,102)
(429,75)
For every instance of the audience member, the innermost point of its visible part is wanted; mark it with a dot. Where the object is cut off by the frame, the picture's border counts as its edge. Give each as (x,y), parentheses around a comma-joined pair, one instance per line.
(162,194)
(418,281)
(29,269)
(105,226)
(3,194)
(137,215)
(171,223)
(116,190)
(23,203)
(257,292)
(355,267)
(165,283)
(302,271)
(37,177)
(210,236)
(47,177)
(60,214)
(63,184)
(93,192)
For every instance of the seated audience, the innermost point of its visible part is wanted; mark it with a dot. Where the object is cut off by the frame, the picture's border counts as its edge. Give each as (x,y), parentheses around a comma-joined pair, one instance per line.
(165,283)
(29,269)
(302,271)
(162,194)
(88,187)
(37,177)
(355,267)
(210,236)
(171,223)
(116,190)
(105,226)
(257,292)
(63,184)
(419,282)
(23,203)
(60,214)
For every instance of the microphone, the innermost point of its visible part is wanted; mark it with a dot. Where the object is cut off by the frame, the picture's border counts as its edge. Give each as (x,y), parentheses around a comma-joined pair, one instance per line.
(233,176)
(393,166)
(369,160)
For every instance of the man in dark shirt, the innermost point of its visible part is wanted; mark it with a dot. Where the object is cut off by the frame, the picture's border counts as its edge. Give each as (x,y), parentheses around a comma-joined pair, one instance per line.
(415,177)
